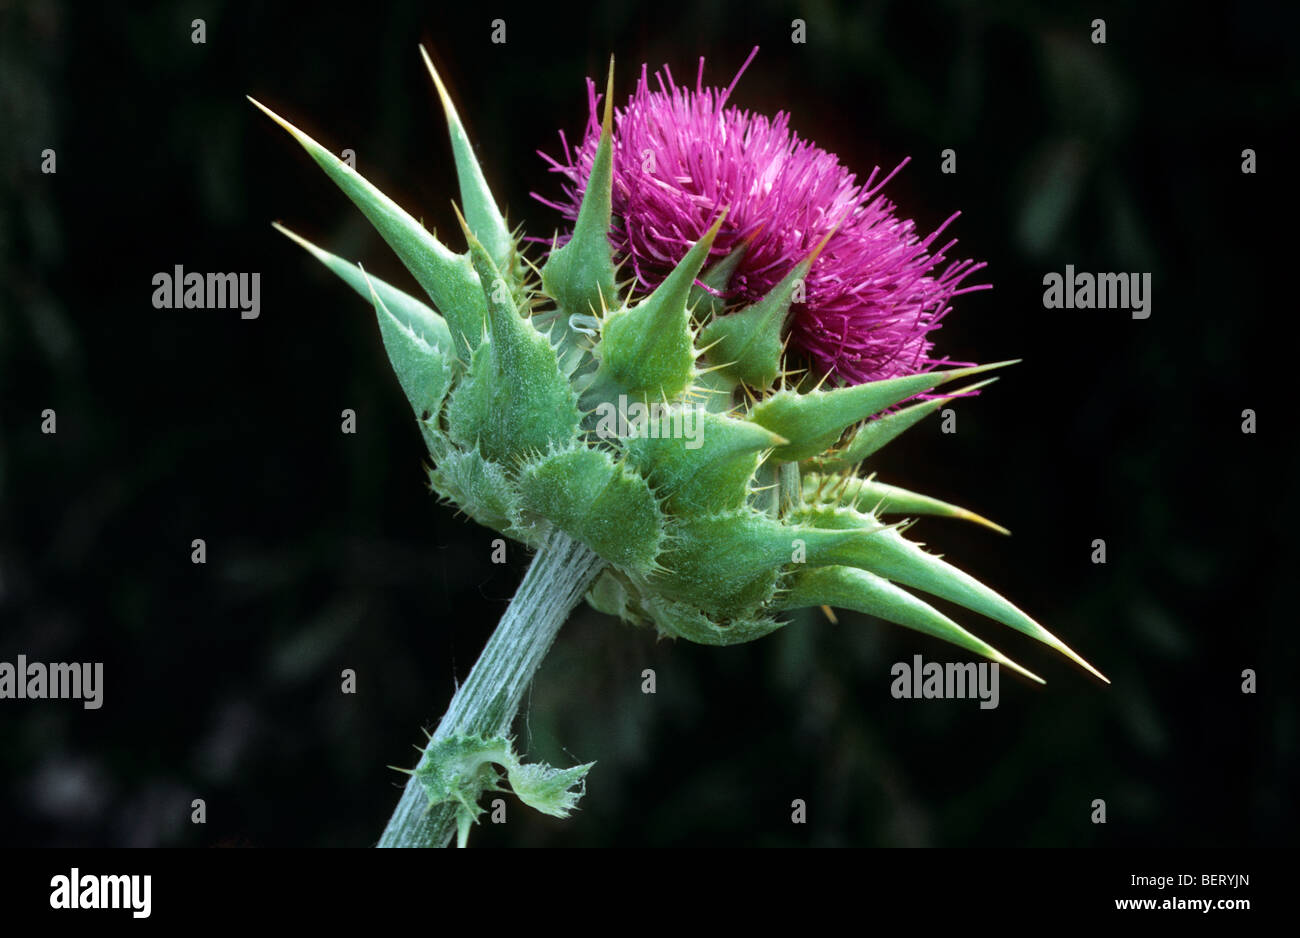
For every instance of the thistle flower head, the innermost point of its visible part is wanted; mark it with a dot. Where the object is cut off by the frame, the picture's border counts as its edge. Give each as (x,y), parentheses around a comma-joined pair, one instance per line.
(876,291)
(719,494)
(656,425)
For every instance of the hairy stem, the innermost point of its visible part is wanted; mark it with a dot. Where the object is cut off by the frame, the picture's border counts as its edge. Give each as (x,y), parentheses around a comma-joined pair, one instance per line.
(486,704)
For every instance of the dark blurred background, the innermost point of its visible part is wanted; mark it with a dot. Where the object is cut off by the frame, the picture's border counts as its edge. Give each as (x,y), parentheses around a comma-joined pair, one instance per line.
(327,552)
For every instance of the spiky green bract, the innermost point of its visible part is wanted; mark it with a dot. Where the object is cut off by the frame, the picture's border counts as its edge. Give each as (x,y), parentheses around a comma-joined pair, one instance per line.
(448,278)
(707,298)
(656,439)
(647,351)
(749,342)
(410,312)
(814,421)
(593,499)
(481,212)
(882,499)
(425,371)
(458,769)
(579,276)
(705,473)
(514,400)
(887,553)
(874,434)
(877,596)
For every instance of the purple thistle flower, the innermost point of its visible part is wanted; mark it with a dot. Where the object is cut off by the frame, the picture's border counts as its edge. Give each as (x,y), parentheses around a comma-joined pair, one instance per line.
(873,295)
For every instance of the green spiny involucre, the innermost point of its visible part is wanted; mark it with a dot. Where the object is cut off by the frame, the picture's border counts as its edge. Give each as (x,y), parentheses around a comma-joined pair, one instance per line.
(661,430)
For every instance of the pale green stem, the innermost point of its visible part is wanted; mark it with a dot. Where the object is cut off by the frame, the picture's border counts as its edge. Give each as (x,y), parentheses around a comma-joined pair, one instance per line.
(557,579)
